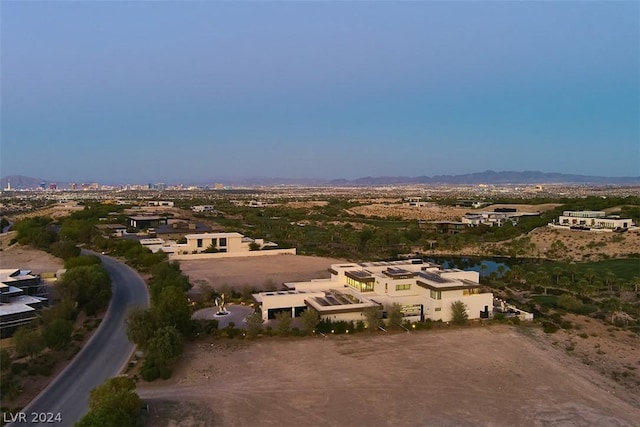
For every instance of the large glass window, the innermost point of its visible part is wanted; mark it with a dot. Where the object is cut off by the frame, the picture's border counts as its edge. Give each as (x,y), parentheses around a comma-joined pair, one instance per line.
(361,286)
(436,294)
(199,242)
(223,241)
(404,287)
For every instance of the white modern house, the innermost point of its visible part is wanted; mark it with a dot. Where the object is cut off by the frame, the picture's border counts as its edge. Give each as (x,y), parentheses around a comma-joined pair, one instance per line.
(223,242)
(423,290)
(593,220)
(203,208)
(215,245)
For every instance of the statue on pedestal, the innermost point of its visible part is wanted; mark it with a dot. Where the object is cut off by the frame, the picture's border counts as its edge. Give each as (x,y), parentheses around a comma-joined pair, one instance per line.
(220,304)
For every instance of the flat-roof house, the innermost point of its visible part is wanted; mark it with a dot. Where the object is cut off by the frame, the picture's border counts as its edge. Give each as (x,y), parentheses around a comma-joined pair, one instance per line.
(223,242)
(21,297)
(596,220)
(423,290)
(146,221)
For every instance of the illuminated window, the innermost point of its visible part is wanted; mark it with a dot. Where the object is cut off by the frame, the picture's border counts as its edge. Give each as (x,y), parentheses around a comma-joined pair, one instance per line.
(404,287)
(361,286)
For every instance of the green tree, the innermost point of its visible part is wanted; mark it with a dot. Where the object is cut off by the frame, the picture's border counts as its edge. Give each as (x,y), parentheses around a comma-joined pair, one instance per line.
(211,249)
(89,285)
(57,334)
(254,324)
(82,260)
(65,250)
(114,403)
(253,246)
(373,316)
(310,320)
(609,280)
(165,346)
(283,322)
(141,326)
(107,417)
(459,314)
(568,302)
(543,279)
(611,306)
(173,309)
(395,315)
(28,341)
(64,309)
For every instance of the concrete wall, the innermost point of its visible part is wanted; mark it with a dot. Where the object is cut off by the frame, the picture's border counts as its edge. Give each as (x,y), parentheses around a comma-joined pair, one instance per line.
(185,257)
(475,304)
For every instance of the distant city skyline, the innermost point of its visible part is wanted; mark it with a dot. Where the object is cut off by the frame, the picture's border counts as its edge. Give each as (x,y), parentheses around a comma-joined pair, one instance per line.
(191,91)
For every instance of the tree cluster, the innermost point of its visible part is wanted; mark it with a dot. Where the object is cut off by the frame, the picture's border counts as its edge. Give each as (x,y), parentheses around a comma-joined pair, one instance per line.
(88,285)
(114,403)
(161,329)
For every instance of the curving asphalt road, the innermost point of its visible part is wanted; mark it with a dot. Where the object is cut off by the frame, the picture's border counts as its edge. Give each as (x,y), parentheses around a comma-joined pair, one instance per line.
(103,357)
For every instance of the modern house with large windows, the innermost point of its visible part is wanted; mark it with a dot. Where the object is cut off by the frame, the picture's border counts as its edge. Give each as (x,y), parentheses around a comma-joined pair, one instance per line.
(423,291)
(21,297)
(593,220)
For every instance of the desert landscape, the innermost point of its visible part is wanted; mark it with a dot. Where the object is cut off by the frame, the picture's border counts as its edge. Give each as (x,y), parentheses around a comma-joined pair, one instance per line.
(482,376)
(27,258)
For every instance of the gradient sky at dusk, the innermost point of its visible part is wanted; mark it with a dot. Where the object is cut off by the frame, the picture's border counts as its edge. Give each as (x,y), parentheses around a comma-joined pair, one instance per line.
(191,91)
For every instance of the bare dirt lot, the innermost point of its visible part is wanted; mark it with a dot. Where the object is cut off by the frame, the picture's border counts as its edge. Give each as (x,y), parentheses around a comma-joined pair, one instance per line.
(256,272)
(482,376)
(26,258)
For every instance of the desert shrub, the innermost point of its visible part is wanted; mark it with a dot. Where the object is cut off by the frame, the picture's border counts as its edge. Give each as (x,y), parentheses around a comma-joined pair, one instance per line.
(549,327)
(499,317)
(569,303)
(18,367)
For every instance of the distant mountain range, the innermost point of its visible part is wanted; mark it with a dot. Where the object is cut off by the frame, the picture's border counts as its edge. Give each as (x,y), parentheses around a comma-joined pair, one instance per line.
(486,177)
(491,177)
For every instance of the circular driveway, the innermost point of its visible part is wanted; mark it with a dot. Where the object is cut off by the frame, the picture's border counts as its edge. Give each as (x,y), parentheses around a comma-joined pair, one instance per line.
(237,315)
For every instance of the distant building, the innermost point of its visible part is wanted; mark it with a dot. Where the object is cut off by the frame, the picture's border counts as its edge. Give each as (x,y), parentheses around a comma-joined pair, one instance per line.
(444,227)
(593,220)
(423,291)
(161,203)
(145,221)
(176,229)
(112,230)
(203,208)
(223,242)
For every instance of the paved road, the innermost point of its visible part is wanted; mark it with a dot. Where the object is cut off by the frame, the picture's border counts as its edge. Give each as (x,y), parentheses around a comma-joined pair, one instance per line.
(103,357)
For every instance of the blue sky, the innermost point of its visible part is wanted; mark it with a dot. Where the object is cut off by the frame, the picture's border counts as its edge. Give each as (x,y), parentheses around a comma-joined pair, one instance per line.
(191,91)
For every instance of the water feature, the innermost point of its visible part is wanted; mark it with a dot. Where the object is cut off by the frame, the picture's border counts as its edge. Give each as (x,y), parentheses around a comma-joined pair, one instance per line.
(492,265)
